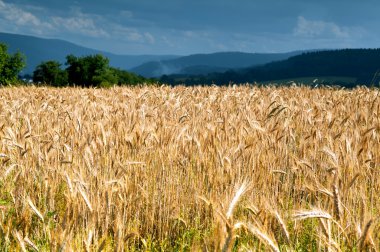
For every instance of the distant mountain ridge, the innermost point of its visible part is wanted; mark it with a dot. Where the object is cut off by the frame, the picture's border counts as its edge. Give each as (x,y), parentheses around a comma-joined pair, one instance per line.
(41,49)
(208,63)
(346,67)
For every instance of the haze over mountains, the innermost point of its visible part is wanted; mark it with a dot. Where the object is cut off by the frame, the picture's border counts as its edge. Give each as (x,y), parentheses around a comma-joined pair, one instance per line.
(37,50)
(208,63)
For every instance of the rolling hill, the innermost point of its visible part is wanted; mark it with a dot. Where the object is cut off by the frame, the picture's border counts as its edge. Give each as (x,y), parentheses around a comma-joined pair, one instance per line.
(208,63)
(40,49)
(346,67)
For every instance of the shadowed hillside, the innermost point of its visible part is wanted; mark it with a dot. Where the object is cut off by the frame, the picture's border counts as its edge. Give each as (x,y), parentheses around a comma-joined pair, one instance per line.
(208,63)
(359,66)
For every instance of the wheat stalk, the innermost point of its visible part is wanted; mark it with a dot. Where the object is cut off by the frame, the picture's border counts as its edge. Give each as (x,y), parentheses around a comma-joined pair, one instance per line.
(315,213)
(134,157)
(34,208)
(236,199)
(263,237)
(85,198)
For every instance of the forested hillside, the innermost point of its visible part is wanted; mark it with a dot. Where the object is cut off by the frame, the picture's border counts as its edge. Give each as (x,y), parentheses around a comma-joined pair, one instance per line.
(359,65)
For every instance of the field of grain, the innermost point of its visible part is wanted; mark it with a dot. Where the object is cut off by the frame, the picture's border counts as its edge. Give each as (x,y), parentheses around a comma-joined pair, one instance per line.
(189,168)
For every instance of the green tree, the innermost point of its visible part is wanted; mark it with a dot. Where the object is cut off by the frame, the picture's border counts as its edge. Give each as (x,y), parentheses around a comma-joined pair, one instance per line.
(89,71)
(10,65)
(50,72)
(94,70)
(127,78)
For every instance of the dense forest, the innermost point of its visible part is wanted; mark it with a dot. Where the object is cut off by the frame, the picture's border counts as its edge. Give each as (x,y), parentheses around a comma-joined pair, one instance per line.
(360,65)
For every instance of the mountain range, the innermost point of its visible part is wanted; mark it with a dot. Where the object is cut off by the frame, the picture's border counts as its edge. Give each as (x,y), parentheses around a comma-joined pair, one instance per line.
(345,67)
(37,50)
(41,49)
(208,63)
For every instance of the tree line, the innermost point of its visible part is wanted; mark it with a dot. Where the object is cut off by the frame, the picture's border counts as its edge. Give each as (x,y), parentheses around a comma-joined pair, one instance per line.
(85,71)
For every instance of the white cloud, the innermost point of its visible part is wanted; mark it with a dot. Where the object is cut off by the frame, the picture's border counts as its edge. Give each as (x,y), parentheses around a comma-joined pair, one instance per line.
(78,22)
(189,34)
(126,14)
(14,18)
(167,41)
(79,25)
(196,34)
(19,17)
(134,36)
(130,34)
(149,38)
(318,28)
(125,33)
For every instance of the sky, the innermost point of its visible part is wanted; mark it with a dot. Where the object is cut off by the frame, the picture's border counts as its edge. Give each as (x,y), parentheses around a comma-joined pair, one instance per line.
(184,27)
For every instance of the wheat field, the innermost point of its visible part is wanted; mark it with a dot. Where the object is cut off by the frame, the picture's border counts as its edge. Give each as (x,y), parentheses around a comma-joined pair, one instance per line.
(158,168)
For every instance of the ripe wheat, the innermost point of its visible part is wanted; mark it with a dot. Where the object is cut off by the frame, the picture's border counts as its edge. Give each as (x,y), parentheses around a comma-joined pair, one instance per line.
(189,168)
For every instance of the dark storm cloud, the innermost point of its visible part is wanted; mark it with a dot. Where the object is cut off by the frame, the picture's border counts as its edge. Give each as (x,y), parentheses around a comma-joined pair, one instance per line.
(183,27)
